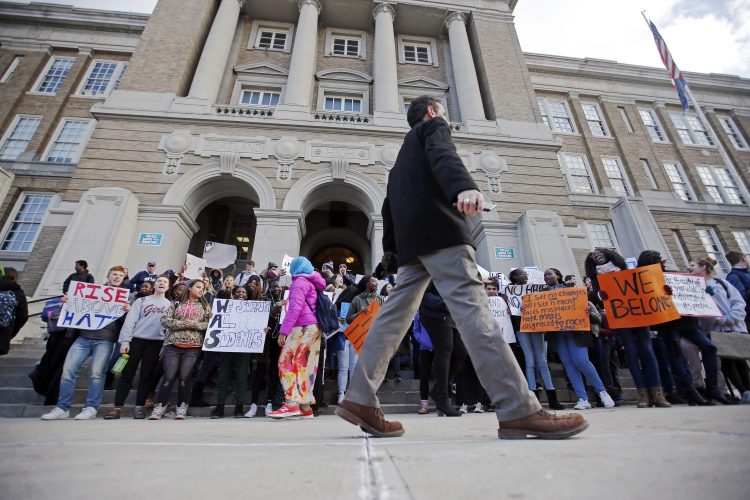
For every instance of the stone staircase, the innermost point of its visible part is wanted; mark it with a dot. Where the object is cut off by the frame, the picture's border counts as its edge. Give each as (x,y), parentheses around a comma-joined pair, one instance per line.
(18,399)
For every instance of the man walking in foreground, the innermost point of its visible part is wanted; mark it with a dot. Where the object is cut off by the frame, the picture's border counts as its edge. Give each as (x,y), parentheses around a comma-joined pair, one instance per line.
(430,194)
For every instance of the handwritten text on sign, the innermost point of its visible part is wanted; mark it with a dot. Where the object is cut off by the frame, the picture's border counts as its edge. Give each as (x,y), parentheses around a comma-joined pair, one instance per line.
(515,295)
(690,297)
(237,326)
(564,309)
(499,311)
(636,297)
(91,306)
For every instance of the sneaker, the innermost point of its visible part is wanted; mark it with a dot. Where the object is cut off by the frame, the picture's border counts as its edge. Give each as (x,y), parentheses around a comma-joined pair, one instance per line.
(139,413)
(88,413)
(607,401)
(464,409)
(252,411)
(181,412)
(745,399)
(340,399)
(56,413)
(479,408)
(582,404)
(306,413)
(286,411)
(269,409)
(158,412)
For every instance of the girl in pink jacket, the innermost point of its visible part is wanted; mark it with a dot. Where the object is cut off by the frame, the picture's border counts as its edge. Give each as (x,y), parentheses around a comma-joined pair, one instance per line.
(299,338)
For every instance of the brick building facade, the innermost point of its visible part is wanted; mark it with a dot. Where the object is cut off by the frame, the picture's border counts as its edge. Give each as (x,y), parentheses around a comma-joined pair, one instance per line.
(273,125)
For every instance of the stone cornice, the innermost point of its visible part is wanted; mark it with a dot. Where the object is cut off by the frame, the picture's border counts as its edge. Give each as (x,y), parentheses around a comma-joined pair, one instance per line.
(72,17)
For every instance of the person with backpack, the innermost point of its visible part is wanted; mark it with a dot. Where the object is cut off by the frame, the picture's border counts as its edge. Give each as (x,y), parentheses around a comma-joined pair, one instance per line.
(739,276)
(299,338)
(14,311)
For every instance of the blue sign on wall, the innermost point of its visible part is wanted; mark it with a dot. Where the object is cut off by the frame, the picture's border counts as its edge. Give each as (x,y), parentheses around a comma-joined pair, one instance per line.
(150,239)
(504,253)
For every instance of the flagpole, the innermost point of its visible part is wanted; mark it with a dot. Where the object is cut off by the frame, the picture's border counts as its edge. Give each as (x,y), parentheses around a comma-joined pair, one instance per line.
(714,138)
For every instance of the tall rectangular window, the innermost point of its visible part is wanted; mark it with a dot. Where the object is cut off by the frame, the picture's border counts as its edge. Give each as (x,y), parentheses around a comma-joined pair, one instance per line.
(735,137)
(601,235)
(68,144)
(653,127)
(679,181)
(19,138)
(595,120)
(555,115)
(712,246)
(649,174)
(26,224)
(11,69)
(625,120)
(102,78)
(55,75)
(577,174)
(616,176)
(691,130)
(743,240)
(721,186)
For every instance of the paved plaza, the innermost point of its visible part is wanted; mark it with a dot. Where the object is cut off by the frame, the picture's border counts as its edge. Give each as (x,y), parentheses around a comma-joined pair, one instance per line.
(681,453)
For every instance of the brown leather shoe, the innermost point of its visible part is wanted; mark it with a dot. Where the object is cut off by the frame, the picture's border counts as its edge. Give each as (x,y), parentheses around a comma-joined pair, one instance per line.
(544,425)
(369,419)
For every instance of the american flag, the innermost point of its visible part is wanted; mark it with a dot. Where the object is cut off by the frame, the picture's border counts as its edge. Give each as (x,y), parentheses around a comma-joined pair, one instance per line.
(674,72)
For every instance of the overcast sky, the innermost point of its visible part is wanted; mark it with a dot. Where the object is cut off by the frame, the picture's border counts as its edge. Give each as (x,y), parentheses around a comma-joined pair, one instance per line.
(707,36)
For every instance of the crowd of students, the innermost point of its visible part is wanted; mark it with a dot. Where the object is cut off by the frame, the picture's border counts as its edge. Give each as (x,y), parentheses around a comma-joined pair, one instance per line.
(163,330)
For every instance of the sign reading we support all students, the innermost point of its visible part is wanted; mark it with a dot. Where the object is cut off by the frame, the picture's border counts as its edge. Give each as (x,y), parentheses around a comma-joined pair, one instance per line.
(515,295)
(91,306)
(690,297)
(564,309)
(501,313)
(237,326)
(636,297)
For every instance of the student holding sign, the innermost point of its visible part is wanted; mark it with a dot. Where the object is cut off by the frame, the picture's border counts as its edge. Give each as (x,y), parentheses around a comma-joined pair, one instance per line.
(96,343)
(573,350)
(186,322)
(637,340)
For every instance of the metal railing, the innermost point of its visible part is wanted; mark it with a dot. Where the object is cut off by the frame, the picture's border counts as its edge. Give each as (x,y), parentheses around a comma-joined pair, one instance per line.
(260,112)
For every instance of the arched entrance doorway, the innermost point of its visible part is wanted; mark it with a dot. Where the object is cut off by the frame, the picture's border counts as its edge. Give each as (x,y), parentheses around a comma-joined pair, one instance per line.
(227,220)
(337,232)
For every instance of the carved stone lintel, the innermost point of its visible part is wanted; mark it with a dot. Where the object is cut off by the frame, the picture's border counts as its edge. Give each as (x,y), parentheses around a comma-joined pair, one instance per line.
(339,167)
(228,162)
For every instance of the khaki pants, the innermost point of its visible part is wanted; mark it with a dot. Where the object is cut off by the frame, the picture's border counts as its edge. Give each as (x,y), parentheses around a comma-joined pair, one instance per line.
(454,272)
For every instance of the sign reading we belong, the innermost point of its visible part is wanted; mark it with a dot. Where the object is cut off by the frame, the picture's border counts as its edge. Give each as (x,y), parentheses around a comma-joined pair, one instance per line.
(564,309)
(90,306)
(237,326)
(636,297)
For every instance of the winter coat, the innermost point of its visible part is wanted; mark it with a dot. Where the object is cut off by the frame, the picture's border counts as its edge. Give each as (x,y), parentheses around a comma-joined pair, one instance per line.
(731,304)
(20,314)
(84,277)
(421,335)
(303,298)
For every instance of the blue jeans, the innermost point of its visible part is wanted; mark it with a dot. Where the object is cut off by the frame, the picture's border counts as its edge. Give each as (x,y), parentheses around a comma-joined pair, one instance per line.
(535,355)
(82,349)
(640,355)
(575,359)
(347,360)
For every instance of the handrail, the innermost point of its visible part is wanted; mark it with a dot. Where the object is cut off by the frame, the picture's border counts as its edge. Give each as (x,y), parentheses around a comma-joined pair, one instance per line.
(43,299)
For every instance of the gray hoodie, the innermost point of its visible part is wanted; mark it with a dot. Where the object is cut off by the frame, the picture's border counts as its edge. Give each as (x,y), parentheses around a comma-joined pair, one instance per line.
(144,319)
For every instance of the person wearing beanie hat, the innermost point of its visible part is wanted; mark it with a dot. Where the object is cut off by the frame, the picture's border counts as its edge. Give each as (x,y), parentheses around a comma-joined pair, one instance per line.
(327,271)
(299,338)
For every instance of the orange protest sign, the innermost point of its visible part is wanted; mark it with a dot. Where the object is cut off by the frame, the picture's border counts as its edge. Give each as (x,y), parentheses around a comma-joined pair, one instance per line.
(636,297)
(564,309)
(357,330)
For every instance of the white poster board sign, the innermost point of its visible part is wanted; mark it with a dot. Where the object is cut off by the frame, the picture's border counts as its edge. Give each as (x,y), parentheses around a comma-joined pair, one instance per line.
(499,311)
(515,295)
(194,267)
(237,326)
(690,297)
(91,306)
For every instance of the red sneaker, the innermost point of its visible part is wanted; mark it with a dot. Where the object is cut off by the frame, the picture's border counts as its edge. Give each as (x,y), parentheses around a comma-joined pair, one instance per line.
(286,411)
(306,413)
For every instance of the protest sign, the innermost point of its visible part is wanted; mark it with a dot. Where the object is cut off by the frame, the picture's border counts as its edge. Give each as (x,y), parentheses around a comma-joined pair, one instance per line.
(237,326)
(564,309)
(499,311)
(285,300)
(690,297)
(91,306)
(344,309)
(357,330)
(536,277)
(219,255)
(194,267)
(636,297)
(515,294)
(502,280)
(286,263)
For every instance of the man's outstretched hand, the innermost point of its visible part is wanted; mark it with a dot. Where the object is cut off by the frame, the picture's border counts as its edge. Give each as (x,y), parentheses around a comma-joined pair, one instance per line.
(470,202)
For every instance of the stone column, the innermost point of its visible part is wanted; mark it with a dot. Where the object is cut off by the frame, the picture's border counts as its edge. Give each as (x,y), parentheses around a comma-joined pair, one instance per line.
(637,230)
(385,74)
(543,241)
(210,70)
(277,232)
(298,96)
(464,72)
(375,233)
